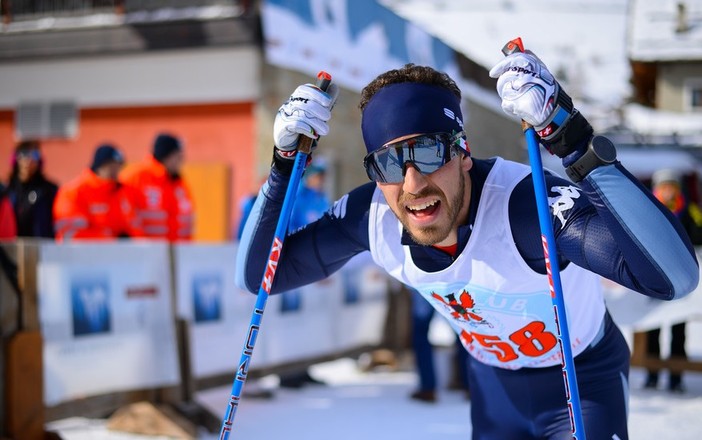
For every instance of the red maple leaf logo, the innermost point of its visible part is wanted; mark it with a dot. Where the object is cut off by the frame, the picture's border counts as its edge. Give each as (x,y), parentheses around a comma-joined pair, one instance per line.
(460,308)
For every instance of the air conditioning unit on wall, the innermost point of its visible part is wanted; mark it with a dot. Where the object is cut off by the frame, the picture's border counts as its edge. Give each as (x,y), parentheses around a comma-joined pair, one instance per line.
(46,119)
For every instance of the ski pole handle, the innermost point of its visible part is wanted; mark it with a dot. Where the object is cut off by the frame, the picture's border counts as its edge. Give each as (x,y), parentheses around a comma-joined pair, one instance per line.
(305,144)
(513,46)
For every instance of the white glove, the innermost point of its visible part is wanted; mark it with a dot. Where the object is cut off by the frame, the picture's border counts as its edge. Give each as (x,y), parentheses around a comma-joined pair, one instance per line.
(527,88)
(305,113)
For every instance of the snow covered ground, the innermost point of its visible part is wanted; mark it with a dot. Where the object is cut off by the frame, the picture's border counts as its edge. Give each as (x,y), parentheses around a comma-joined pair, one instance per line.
(375,405)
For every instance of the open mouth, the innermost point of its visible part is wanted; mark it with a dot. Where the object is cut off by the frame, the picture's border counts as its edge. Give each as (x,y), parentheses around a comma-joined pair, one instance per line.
(423,210)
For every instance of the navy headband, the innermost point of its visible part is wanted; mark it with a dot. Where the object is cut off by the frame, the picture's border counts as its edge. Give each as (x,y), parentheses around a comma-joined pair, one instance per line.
(409,108)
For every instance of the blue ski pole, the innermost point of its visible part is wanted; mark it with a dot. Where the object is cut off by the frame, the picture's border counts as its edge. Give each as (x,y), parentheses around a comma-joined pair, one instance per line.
(553,272)
(304,149)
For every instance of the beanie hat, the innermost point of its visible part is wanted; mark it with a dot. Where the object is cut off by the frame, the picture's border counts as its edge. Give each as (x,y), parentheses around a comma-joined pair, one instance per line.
(104,154)
(165,145)
(314,169)
(666,175)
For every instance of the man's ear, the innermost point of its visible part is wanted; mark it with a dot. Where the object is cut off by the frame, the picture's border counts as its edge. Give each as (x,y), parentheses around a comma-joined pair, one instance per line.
(466,163)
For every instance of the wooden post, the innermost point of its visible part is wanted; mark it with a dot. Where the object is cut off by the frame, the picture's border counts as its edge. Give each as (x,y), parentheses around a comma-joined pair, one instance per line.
(27,262)
(23,365)
(638,352)
(6,11)
(24,386)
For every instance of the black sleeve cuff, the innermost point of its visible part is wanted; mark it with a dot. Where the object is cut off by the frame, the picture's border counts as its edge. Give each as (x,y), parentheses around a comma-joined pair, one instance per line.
(283,165)
(576,134)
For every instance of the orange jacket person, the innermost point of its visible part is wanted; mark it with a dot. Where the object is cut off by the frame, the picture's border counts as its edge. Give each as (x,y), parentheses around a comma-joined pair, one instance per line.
(95,205)
(166,207)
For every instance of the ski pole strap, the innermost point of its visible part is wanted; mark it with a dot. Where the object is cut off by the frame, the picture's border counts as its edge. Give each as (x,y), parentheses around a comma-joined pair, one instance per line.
(551,128)
(574,133)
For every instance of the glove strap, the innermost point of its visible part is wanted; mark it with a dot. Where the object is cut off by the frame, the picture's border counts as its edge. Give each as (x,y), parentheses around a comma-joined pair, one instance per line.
(284,161)
(551,129)
(574,135)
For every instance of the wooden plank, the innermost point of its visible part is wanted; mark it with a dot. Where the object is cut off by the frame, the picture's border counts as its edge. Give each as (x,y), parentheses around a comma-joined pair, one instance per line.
(100,406)
(676,365)
(639,358)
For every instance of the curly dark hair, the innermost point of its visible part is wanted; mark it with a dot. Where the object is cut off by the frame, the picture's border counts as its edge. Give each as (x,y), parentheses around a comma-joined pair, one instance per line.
(408,73)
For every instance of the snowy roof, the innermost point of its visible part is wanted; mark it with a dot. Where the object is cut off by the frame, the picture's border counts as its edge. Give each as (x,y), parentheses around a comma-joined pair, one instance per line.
(582,42)
(646,120)
(660,31)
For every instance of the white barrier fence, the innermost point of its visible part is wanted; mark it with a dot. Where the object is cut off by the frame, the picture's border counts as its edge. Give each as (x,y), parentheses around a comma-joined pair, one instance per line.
(107,315)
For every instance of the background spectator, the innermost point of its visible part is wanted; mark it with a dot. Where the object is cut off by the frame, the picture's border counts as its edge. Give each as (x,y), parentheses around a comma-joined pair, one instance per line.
(166,205)
(311,201)
(246,204)
(95,205)
(31,193)
(667,186)
(422,314)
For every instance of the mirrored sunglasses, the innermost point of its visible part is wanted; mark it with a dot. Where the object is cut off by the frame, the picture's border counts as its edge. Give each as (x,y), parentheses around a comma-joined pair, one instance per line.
(426,153)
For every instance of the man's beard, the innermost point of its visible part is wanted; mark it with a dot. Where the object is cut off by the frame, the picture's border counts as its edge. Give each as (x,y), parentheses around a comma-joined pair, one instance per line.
(430,235)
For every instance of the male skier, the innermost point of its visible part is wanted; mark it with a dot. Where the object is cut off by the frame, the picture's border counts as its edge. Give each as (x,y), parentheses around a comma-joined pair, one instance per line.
(464,232)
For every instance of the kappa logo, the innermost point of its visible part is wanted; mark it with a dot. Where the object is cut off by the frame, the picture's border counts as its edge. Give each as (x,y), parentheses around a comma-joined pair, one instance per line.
(453,116)
(461,307)
(564,202)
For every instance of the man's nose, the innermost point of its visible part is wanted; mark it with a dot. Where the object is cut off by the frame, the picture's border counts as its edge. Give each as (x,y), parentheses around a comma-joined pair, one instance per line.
(414,181)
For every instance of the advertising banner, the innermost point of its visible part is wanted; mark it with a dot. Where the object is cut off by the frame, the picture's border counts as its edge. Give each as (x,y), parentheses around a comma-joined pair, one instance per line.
(344,311)
(302,322)
(106,316)
(362,306)
(218,312)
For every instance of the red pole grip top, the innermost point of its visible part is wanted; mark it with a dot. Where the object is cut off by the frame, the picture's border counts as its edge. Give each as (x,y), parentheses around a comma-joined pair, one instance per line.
(513,46)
